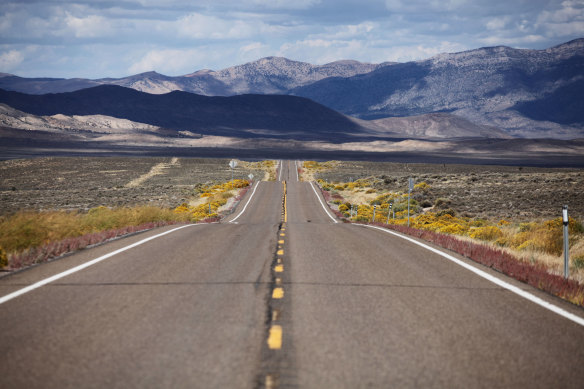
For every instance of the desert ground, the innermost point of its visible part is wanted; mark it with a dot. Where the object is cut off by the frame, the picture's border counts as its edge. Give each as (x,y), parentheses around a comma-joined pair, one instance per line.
(491,192)
(85,183)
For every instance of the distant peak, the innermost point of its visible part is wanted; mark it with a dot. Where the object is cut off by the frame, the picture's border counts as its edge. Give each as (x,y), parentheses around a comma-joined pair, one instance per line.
(150,73)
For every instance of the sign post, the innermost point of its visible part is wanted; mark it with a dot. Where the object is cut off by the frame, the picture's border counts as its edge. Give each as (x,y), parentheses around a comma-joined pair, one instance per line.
(410,188)
(232,165)
(389,212)
(374,212)
(566,221)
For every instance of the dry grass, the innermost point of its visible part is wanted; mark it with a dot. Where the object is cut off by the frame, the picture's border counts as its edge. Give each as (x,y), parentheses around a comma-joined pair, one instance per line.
(27,229)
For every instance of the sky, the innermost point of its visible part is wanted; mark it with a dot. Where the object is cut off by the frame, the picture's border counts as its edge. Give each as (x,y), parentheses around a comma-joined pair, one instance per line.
(118,38)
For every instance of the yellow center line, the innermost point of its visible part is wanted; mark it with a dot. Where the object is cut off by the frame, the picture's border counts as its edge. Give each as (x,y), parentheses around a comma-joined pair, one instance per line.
(279,268)
(278,293)
(275,337)
(280,252)
(281,241)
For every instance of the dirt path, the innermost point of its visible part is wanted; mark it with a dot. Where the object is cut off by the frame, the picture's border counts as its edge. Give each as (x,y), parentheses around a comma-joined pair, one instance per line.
(156,170)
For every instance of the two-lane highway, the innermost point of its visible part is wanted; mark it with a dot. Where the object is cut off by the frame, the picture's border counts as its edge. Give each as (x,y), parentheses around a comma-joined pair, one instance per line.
(259,302)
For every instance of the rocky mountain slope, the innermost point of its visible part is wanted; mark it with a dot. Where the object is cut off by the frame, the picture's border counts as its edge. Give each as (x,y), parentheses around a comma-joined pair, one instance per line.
(431,126)
(271,75)
(532,93)
(13,118)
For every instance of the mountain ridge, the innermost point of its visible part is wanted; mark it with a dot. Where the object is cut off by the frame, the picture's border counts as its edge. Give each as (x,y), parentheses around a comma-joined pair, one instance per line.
(243,116)
(492,86)
(269,75)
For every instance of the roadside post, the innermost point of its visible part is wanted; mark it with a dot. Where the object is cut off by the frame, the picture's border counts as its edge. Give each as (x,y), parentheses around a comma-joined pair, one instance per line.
(232,165)
(250,176)
(389,212)
(410,188)
(565,220)
(374,212)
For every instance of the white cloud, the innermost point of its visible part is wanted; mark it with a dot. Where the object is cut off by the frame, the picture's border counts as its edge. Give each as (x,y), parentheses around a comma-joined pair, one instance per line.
(569,11)
(286,4)
(349,31)
(91,26)
(164,61)
(513,41)
(199,26)
(498,23)
(10,60)
(421,6)
(568,20)
(180,61)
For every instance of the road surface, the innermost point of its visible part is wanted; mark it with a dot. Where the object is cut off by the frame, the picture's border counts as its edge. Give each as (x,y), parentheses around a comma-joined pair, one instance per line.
(279,294)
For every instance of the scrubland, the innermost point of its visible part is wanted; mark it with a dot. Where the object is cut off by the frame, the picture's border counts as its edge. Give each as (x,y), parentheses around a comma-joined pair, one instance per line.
(51,206)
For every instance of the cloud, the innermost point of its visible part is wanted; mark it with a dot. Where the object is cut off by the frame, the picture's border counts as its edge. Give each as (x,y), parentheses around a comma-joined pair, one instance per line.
(90,26)
(166,61)
(498,23)
(199,26)
(78,37)
(286,4)
(421,6)
(566,20)
(10,60)
(350,31)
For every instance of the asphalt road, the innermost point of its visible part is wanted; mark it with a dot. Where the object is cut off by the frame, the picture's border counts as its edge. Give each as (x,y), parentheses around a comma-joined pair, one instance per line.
(270,298)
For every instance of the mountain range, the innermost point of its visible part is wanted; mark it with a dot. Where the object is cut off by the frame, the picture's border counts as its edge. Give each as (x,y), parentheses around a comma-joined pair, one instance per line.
(271,75)
(528,93)
(494,92)
(240,116)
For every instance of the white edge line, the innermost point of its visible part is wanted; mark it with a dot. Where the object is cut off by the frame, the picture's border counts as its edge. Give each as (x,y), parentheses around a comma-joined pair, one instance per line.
(570,316)
(75,269)
(246,204)
(321,203)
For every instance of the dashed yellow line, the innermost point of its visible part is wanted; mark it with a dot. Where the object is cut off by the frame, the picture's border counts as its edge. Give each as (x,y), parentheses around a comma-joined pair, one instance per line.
(275,337)
(278,293)
(279,268)
(280,252)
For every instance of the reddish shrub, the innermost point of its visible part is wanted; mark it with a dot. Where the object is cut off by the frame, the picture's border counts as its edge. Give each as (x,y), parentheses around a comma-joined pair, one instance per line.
(535,275)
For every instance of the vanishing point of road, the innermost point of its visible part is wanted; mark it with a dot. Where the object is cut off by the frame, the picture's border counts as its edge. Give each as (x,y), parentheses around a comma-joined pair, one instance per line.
(279,294)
